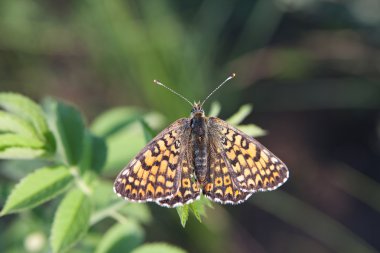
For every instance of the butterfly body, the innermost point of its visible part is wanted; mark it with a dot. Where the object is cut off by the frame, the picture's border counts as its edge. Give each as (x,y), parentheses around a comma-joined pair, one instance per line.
(200,155)
(199,145)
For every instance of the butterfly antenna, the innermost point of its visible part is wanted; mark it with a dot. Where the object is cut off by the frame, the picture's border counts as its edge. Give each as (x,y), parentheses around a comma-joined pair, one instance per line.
(163,85)
(220,85)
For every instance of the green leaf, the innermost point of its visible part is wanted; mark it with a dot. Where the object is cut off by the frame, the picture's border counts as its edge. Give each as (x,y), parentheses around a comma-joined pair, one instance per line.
(103,196)
(68,128)
(214,109)
(158,248)
(37,188)
(27,110)
(21,153)
(123,134)
(137,211)
(121,238)
(148,132)
(85,162)
(183,213)
(98,153)
(198,209)
(252,130)
(94,153)
(15,170)
(124,145)
(15,140)
(106,202)
(18,138)
(240,115)
(70,221)
(10,123)
(113,120)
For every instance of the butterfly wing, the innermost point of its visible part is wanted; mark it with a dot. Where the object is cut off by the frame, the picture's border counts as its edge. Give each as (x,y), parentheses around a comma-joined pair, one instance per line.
(220,186)
(252,166)
(188,190)
(154,174)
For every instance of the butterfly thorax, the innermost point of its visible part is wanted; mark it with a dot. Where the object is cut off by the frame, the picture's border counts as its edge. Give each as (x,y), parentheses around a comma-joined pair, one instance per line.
(199,142)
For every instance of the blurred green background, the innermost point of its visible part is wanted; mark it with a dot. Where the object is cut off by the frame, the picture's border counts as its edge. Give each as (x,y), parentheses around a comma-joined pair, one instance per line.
(310,68)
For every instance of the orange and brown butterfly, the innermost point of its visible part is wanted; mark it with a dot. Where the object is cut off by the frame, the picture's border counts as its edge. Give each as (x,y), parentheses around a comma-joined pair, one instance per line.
(200,155)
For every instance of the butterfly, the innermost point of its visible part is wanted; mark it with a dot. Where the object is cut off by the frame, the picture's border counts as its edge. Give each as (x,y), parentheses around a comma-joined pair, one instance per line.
(200,155)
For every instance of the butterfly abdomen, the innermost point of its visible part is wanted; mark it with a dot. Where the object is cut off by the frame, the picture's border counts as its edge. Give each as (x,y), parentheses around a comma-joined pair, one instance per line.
(199,142)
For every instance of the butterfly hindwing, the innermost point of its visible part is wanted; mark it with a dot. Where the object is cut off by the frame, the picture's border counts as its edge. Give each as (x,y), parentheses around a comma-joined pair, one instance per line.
(220,186)
(252,166)
(188,189)
(154,173)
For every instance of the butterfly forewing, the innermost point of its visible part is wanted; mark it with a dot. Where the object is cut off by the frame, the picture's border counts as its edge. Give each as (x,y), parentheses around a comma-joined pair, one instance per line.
(154,174)
(252,166)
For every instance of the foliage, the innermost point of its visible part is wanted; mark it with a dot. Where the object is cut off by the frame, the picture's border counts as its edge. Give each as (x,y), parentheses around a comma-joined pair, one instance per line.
(73,160)
(76,162)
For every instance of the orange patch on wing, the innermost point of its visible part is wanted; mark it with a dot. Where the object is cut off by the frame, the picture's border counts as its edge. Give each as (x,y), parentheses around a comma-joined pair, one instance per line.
(170,173)
(154,170)
(218,182)
(250,182)
(163,166)
(160,190)
(161,179)
(128,187)
(169,184)
(227,180)
(228,190)
(136,167)
(264,156)
(258,179)
(149,159)
(231,155)
(186,182)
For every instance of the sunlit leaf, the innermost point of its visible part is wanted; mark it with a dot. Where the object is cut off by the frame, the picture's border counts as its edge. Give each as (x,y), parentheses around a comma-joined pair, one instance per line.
(21,153)
(252,130)
(114,120)
(26,109)
(123,133)
(198,209)
(15,140)
(124,145)
(13,146)
(240,115)
(71,221)
(10,123)
(215,109)
(183,213)
(37,188)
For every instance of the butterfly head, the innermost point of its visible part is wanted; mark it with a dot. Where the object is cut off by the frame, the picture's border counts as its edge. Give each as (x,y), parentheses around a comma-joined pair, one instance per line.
(197,110)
